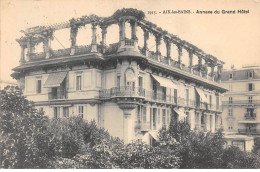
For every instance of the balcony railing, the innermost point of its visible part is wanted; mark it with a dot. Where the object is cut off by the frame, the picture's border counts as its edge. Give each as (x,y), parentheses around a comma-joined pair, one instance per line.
(249,131)
(242,102)
(124,91)
(251,116)
(159,97)
(142,126)
(57,96)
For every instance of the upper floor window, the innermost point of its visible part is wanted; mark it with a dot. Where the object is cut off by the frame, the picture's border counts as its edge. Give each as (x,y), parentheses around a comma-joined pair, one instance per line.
(250,75)
(187,96)
(39,86)
(250,99)
(144,114)
(118,81)
(140,82)
(81,111)
(230,124)
(231,76)
(250,87)
(78,83)
(230,99)
(230,112)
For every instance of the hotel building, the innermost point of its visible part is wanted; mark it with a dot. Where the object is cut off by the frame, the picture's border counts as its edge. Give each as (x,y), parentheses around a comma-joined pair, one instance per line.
(241,105)
(124,86)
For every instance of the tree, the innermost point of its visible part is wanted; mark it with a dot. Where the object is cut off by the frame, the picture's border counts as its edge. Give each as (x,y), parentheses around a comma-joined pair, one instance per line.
(21,126)
(204,150)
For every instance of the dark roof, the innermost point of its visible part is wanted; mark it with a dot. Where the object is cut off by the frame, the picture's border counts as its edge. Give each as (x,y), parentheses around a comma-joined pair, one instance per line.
(240,74)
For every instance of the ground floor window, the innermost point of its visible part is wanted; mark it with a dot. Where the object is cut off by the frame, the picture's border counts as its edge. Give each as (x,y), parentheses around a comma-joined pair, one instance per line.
(239,144)
(81,111)
(65,112)
(56,112)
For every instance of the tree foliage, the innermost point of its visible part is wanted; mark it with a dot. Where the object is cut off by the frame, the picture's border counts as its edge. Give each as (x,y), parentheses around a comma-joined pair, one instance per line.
(205,150)
(21,125)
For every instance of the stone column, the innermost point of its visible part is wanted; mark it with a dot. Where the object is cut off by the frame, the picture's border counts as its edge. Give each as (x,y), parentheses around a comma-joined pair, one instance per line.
(199,64)
(94,38)
(22,60)
(29,50)
(104,35)
(213,123)
(212,70)
(133,29)
(179,55)
(219,72)
(146,37)
(121,29)
(73,38)
(128,128)
(190,60)
(46,47)
(168,49)
(158,39)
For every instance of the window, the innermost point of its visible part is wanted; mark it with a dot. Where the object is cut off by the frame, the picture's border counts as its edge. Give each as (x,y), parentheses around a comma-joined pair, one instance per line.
(144,114)
(168,117)
(187,96)
(159,116)
(250,99)
(187,119)
(78,83)
(250,75)
(139,114)
(41,109)
(230,112)
(163,117)
(65,112)
(230,124)
(231,76)
(250,87)
(210,101)
(81,111)
(140,81)
(56,112)
(39,86)
(118,81)
(230,99)
(239,144)
(175,95)
(217,101)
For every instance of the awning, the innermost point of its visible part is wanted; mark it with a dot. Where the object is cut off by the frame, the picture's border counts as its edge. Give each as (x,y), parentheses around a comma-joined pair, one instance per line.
(180,112)
(153,134)
(249,122)
(164,82)
(55,79)
(202,95)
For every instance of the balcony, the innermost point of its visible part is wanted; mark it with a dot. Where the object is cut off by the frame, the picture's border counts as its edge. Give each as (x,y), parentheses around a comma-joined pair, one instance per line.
(250,116)
(124,91)
(159,97)
(202,106)
(249,131)
(242,102)
(141,126)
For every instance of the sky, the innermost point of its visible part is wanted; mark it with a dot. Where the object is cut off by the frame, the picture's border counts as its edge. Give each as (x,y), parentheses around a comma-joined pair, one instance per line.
(232,38)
